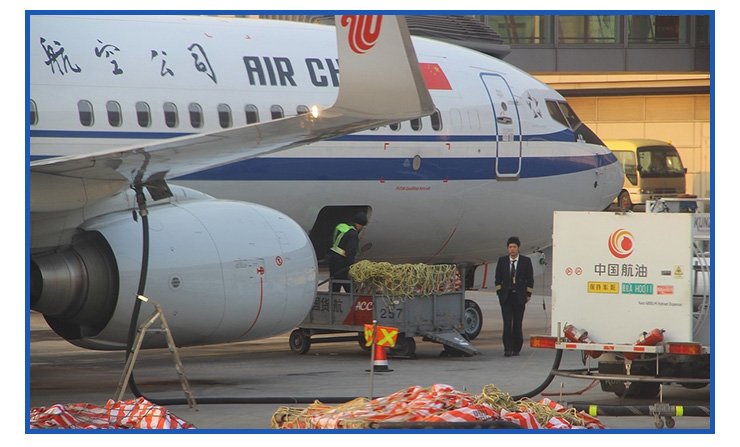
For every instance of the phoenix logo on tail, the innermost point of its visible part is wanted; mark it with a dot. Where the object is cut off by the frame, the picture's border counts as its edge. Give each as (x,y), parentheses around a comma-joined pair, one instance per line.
(363,31)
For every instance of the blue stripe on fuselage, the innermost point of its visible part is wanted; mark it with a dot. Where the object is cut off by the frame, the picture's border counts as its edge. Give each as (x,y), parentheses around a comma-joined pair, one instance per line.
(386,168)
(373,169)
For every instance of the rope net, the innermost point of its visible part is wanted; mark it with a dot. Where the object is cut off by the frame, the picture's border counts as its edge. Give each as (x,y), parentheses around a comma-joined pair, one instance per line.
(438,403)
(402,281)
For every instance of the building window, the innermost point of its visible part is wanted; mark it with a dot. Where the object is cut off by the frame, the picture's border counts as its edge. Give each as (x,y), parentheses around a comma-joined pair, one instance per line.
(658,29)
(523,29)
(224,116)
(276,112)
(143,114)
(196,115)
(253,115)
(588,29)
(170,115)
(113,109)
(85,110)
(436,118)
(703,30)
(33,117)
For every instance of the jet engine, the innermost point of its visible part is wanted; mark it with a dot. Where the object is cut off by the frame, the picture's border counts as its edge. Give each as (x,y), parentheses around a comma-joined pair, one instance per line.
(222,271)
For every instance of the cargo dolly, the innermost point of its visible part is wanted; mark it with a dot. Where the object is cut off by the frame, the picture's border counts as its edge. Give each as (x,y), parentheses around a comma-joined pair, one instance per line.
(446,318)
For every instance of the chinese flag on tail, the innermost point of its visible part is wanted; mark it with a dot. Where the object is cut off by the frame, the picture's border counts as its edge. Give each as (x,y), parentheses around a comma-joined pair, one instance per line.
(434,77)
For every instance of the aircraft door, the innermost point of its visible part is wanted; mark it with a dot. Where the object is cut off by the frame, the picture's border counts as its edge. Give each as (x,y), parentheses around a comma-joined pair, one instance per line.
(508,127)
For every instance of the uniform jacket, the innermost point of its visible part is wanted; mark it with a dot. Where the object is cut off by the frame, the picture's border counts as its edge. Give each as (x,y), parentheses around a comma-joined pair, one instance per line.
(524,278)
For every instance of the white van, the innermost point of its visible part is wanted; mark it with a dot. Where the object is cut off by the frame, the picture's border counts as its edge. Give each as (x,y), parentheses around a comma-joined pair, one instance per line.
(652,170)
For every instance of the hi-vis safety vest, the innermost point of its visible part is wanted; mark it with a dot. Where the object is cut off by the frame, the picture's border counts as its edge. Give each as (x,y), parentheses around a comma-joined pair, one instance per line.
(339,232)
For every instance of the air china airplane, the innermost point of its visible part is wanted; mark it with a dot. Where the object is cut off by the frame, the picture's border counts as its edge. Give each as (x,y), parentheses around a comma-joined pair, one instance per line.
(236,145)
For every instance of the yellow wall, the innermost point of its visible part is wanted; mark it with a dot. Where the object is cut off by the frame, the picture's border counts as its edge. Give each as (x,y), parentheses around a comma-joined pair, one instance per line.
(683,120)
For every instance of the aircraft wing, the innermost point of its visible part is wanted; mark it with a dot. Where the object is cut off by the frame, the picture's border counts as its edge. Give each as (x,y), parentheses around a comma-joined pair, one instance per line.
(378,86)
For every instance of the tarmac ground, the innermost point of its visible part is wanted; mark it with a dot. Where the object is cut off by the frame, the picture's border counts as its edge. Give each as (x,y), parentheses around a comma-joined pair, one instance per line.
(239,386)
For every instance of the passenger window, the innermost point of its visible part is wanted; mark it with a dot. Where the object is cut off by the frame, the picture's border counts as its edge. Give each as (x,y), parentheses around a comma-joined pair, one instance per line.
(143,114)
(170,115)
(276,112)
(300,110)
(436,118)
(114,113)
(33,115)
(85,110)
(415,124)
(253,115)
(196,115)
(395,126)
(224,116)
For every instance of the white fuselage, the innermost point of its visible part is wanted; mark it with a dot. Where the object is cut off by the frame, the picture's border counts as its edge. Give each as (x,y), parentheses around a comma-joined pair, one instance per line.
(495,164)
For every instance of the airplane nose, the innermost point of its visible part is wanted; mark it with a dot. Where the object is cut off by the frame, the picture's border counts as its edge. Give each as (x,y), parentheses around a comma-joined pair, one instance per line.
(613,179)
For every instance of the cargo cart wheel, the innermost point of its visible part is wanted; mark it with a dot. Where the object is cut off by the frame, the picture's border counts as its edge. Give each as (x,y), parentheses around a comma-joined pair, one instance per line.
(361,341)
(299,342)
(472,320)
(405,346)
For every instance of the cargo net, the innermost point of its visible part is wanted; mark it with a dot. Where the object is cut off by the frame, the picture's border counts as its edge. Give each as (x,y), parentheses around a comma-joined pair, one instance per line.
(128,414)
(434,405)
(401,281)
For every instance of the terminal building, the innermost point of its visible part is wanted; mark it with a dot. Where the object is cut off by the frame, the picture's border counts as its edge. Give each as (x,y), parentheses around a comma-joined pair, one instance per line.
(626,76)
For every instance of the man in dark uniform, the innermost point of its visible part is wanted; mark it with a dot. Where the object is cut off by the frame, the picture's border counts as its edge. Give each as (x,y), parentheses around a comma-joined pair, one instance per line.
(514,283)
(345,243)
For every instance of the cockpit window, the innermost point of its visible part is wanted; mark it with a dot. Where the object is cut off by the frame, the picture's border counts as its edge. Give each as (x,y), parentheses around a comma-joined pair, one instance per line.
(570,115)
(556,113)
(562,113)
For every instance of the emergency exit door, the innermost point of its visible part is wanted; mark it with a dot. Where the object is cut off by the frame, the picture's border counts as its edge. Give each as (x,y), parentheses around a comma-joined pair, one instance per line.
(508,127)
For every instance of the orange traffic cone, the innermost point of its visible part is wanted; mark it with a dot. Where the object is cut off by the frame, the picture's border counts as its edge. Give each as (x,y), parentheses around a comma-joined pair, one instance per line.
(380,361)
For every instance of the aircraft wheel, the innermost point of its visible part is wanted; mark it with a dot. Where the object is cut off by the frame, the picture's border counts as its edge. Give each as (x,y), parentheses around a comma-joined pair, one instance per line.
(472,320)
(300,342)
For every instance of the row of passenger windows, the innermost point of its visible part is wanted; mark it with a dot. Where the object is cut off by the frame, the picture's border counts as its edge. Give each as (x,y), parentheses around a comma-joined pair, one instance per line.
(196,115)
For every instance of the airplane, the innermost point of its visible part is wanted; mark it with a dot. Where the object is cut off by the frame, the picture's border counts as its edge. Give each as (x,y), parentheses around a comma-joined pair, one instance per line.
(235,144)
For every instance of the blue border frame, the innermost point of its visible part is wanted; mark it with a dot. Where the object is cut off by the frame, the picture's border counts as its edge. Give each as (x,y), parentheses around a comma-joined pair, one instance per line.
(710,13)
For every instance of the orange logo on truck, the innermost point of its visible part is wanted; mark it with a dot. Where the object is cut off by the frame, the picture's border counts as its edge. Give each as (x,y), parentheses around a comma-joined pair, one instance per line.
(621,243)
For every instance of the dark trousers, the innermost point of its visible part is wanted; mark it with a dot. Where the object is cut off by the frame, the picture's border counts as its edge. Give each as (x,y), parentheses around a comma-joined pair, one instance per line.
(513,314)
(339,270)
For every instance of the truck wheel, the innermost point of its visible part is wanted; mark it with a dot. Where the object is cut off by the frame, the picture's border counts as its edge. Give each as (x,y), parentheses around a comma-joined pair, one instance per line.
(472,320)
(624,200)
(299,342)
(642,390)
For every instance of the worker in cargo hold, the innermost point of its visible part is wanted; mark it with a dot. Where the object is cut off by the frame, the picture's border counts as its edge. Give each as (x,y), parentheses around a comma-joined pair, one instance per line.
(345,243)
(514,283)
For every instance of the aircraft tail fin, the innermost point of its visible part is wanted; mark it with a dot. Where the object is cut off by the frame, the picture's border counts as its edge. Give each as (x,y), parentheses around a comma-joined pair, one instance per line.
(379,48)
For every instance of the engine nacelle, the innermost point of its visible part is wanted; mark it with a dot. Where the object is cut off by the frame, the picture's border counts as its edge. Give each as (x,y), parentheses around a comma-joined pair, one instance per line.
(222,271)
